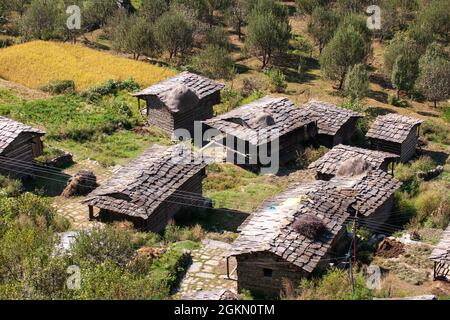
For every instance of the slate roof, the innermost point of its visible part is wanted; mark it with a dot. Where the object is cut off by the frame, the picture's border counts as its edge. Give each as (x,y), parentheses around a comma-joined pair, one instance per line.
(372,188)
(142,185)
(330,162)
(330,118)
(219,294)
(200,85)
(392,127)
(270,228)
(261,120)
(10,130)
(441,253)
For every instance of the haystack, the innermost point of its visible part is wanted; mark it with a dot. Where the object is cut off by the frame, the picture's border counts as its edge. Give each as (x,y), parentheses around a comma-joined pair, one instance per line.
(81,184)
(308,225)
(181,99)
(353,167)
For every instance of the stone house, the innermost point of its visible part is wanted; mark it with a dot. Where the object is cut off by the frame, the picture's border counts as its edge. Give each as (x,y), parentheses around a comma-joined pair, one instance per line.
(177,102)
(19,146)
(151,189)
(266,127)
(395,134)
(326,167)
(441,257)
(335,125)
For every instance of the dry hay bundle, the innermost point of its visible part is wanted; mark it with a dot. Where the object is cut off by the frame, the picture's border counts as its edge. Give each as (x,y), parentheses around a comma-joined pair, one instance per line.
(353,167)
(181,99)
(309,226)
(389,248)
(82,183)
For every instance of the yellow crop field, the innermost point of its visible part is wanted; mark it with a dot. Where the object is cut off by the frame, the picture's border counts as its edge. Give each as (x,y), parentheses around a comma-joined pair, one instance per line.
(35,64)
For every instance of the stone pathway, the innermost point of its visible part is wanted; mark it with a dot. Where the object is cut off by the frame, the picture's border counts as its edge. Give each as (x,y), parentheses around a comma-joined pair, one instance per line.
(208,270)
(71,208)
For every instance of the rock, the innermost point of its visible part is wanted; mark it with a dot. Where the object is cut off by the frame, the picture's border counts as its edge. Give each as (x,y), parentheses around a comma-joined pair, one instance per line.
(80,184)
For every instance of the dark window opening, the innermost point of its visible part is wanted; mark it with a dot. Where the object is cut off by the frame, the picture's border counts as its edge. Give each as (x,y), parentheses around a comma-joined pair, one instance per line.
(267,272)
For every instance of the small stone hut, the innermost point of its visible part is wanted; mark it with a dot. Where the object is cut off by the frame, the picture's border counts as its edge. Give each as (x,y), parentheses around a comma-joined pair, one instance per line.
(19,146)
(335,125)
(396,134)
(291,236)
(249,132)
(151,189)
(326,167)
(441,257)
(176,103)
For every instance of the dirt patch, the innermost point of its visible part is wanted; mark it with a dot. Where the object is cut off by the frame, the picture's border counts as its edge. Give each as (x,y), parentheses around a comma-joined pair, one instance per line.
(389,248)
(22,91)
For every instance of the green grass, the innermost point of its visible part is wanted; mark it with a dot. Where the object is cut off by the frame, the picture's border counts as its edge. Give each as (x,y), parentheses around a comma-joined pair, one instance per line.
(7,96)
(101,130)
(234,188)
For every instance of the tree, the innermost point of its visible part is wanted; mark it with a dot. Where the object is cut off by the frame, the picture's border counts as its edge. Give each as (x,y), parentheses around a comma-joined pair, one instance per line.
(133,34)
(153,9)
(214,62)
(401,44)
(322,25)
(357,82)
(396,15)
(218,36)
(238,13)
(19,6)
(434,74)
(308,6)
(268,31)
(42,20)
(404,73)
(434,19)
(174,33)
(96,13)
(346,49)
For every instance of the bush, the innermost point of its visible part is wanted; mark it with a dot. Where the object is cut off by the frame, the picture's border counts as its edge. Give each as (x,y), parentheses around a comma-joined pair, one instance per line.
(309,155)
(396,102)
(433,209)
(4,43)
(214,62)
(110,87)
(30,208)
(59,87)
(436,132)
(10,187)
(405,174)
(104,245)
(334,285)
(423,164)
(174,233)
(277,80)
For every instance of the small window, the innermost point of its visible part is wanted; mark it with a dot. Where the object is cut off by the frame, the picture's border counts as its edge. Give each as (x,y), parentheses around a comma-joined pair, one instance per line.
(267,272)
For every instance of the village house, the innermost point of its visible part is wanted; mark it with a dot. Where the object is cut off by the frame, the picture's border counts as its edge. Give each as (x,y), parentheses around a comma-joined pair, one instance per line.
(250,132)
(396,134)
(335,125)
(19,146)
(441,257)
(151,189)
(177,102)
(327,166)
(290,237)
(303,229)
(374,190)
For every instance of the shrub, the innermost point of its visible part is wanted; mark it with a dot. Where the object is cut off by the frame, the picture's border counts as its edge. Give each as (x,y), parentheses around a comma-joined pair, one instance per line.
(309,155)
(35,209)
(397,102)
(110,87)
(214,62)
(423,164)
(104,245)
(433,209)
(434,131)
(10,187)
(249,86)
(405,174)
(4,43)
(334,285)
(59,87)
(277,80)
(174,233)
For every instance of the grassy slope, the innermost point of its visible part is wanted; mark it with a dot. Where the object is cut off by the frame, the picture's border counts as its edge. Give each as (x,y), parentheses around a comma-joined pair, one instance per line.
(36,63)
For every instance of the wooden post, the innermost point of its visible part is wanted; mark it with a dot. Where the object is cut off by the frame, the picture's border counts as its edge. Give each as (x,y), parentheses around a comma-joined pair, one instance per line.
(91,213)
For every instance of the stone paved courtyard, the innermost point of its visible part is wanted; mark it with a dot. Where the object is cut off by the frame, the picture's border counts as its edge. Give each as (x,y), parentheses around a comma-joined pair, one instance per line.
(208,270)
(71,208)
